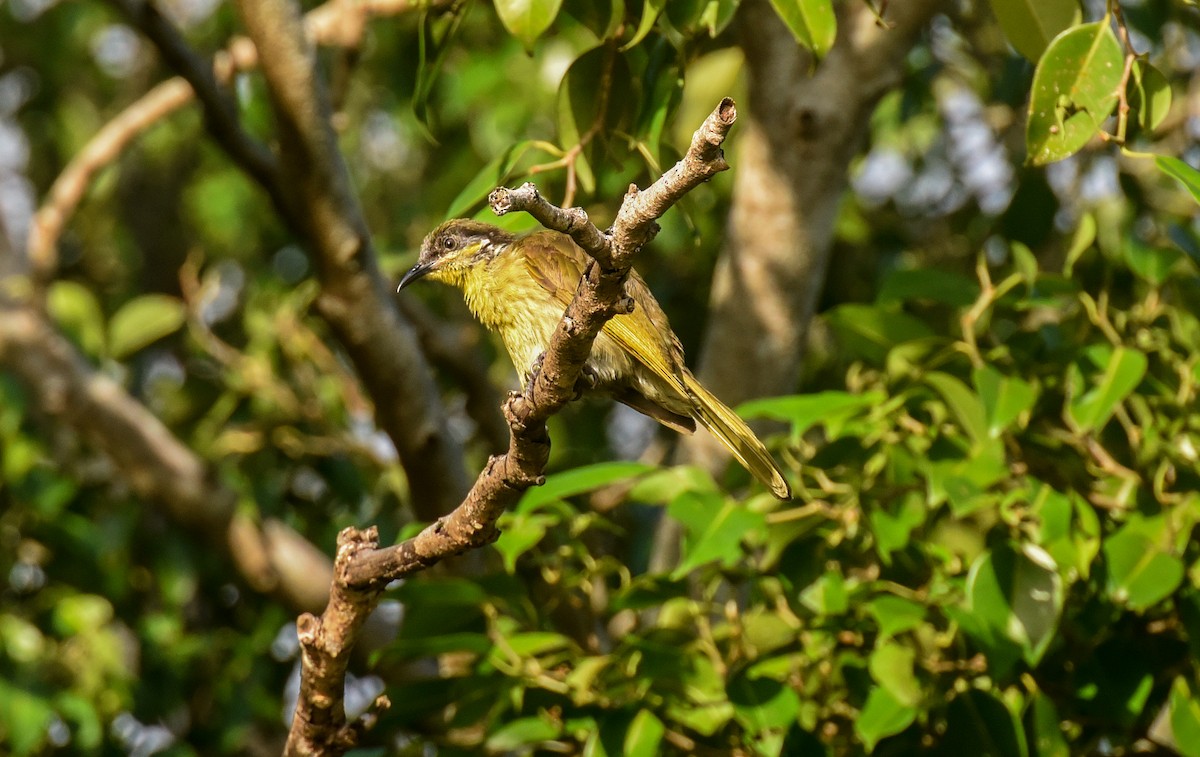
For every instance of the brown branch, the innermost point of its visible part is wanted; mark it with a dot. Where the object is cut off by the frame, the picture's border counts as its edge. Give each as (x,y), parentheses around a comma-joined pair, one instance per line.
(354,299)
(319,726)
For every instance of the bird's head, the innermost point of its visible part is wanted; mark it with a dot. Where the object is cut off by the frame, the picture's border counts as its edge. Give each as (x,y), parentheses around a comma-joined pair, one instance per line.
(454,246)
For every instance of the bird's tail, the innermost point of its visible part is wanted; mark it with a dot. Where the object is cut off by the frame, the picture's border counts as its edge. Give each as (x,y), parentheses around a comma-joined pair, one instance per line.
(737,437)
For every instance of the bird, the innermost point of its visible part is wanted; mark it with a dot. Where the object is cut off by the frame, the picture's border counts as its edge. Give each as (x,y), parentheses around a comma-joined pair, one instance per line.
(519,286)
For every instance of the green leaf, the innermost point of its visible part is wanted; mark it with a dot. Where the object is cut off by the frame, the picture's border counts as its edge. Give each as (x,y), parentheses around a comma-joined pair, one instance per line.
(882,716)
(966,406)
(721,539)
(1074,90)
(803,411)
(25,718)
(811,22)
(644,735)
(650,12)
(935,285)
(1185,718)
(891,666)
(1046,730)
(1149,95)
(1153,264)
(1122,373)
(492,175)
(581,110)
(1140,573)
(527,19)
(763,704)
(519,533)
(827,595)
(1081,242)
(1017,597)
(1181,172)
(143,321)
(1030,24)
(75,309)
(522,732)
(870,331)
(895,615)
(1004,398)
(579,480)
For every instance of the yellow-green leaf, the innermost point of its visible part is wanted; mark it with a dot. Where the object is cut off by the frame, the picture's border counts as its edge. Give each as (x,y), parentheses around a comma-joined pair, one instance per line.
(527,19)
(811,22)
(143,321)
(1074,90)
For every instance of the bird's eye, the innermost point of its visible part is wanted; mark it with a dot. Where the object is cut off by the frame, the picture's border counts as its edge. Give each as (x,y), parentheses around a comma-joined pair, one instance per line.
(448,243)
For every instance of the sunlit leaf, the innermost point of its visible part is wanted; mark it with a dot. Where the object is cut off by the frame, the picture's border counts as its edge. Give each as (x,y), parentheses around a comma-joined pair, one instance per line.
(882,716)
(527,19)
(1004,398)
(77,312)
(143,321)
(579,480)
(811,22)
(803,411)
(1140,573)
(1030,24)
(1074,90)
(644,735)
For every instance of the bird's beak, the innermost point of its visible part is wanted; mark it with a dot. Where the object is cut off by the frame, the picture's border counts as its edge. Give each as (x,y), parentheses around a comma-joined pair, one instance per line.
(414,273)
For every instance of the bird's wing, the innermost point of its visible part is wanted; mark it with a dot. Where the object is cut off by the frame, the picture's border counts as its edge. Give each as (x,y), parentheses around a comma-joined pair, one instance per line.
(556,264)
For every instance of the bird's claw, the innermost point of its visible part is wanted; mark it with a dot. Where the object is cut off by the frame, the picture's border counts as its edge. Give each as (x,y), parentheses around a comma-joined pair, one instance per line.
(585,383)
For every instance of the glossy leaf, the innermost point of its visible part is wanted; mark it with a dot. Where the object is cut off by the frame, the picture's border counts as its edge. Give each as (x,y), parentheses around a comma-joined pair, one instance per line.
(811,22)
(527,19)
(1018,597)
(1074,90)
(143,321)
(1030,25)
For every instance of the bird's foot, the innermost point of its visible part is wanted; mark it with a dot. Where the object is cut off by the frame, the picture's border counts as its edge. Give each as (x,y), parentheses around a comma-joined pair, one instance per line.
(586,382)
(534,371)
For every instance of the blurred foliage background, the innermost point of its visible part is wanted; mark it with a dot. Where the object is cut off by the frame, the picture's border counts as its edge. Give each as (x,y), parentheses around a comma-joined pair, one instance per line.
(993,437)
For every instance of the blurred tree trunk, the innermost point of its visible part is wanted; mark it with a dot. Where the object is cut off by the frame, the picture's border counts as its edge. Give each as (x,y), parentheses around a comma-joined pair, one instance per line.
(804,124)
